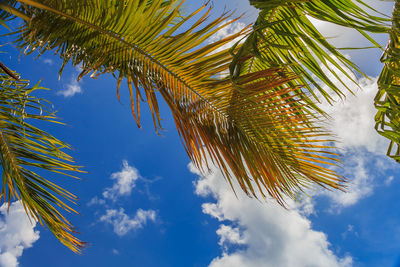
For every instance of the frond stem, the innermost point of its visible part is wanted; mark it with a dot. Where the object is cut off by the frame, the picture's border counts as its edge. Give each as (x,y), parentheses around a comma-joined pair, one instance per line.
(14,11)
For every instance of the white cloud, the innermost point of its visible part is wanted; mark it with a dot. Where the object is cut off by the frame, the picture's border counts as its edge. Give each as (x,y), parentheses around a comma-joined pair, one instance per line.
(72,88)
(389,180)
(360,182)
(115,251)
(353,117)
(48,61)
(229,235)
(123,224)
(349,230)
(16,234)
(364,150)
(124,182)
(96,201)
(269,234)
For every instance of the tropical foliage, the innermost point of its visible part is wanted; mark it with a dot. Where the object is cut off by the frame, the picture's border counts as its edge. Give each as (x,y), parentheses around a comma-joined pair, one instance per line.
(387,100)
(25,151)
(254,128)
(250,109)
(284,35)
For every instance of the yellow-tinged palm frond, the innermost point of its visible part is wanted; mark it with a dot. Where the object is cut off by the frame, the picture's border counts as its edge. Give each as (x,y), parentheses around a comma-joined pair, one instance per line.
(255,127)
(387,100)
(284,36)
(25,151)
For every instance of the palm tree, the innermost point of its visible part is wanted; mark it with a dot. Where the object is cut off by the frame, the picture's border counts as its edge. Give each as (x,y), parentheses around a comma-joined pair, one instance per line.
(258,124)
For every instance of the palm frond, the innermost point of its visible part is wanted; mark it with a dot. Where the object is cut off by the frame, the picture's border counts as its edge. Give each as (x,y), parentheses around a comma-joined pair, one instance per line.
(284,36)
(387,100)
(255,127)
(25,152)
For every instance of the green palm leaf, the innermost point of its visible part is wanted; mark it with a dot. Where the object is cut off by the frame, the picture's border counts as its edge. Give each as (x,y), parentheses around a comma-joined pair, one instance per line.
(284,36)
(25,151)
(387,100)
(255,127)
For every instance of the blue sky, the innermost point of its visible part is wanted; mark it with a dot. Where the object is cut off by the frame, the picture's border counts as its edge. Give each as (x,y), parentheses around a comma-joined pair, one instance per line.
(143,204)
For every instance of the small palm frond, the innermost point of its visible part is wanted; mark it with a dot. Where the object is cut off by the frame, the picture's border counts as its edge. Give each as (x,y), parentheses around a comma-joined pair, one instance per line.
(256,127)
(25,152)
(284,36)
(387,100)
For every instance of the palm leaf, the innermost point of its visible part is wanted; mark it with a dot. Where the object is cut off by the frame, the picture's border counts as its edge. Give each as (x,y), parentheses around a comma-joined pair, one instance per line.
(25,152)
(255,127)
(284,36)
(387,100)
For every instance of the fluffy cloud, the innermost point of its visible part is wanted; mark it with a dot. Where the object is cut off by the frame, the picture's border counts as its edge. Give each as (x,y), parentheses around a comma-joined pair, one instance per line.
(352,122)
(389,180)
(352,118)
(96,201)
(16,234)
(72,88)
(360,185)
(268,235)
(48,61)
(124,182)
(228,235)
(123,224)
(362,169)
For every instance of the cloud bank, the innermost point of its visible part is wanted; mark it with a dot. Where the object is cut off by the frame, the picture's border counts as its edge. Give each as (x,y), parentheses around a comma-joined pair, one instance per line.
(16,234)
(267,234)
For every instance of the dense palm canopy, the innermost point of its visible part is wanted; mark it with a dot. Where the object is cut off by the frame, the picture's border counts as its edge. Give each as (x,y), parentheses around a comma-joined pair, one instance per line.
(250,109)
(387,100)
